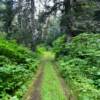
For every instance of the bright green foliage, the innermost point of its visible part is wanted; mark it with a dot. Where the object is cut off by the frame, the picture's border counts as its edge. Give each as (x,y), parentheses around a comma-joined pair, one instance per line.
(40,49)
(17,65)
(59,45)
(80,65)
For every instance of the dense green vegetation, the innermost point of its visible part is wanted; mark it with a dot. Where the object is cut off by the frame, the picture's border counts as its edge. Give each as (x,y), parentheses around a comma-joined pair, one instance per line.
(17,67)
(80,64)
(67,30)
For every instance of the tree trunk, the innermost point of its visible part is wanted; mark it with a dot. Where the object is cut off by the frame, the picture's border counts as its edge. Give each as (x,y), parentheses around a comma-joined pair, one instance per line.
(68,13)
(32,22)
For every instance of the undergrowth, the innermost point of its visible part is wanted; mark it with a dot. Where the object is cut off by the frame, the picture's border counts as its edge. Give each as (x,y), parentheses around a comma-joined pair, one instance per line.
(17,66)
(79,63)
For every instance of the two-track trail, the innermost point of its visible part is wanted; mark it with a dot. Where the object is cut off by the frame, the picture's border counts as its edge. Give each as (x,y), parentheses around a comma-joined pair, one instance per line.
(48,84)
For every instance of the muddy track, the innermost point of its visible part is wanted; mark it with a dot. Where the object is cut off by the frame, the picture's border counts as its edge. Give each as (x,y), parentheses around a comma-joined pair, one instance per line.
(36,95)
(34,90)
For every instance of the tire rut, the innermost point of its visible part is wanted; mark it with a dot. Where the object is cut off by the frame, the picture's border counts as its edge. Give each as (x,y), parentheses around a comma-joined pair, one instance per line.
(34,91)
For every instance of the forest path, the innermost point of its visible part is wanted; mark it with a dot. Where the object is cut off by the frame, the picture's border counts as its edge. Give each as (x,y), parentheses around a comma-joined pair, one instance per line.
(48,84)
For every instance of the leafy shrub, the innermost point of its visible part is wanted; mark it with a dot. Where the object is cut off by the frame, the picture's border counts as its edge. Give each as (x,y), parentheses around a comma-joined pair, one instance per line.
(58,45)
(80,65)
(17,66)
(40,48)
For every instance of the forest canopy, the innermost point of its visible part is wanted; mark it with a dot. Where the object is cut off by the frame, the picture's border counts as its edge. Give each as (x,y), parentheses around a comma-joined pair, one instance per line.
(31,21)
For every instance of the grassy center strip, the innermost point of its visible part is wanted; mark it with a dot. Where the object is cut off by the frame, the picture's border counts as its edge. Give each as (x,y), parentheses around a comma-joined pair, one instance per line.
(51,86)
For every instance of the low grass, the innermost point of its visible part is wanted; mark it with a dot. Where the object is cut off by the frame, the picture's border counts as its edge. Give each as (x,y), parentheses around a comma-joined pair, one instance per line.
(51,87)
